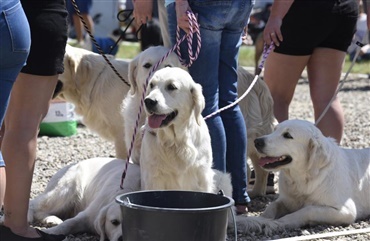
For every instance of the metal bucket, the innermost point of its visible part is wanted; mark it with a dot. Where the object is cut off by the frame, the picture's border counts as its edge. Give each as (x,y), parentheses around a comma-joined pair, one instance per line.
(174,216)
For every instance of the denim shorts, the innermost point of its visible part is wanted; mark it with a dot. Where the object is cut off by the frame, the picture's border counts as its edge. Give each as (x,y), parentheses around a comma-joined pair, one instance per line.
(312,24)
(14,48)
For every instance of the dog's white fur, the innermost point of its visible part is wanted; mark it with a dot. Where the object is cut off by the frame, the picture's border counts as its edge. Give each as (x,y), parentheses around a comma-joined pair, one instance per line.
(323,183)
(139,70)
(175,154)
(257,110)
(97,92)
(83,195)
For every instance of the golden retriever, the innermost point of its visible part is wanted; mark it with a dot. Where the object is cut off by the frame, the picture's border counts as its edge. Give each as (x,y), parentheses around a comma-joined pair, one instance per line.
(176,148)
(139,70)
(97,92)
(257,108)
(83,195)
(319,182)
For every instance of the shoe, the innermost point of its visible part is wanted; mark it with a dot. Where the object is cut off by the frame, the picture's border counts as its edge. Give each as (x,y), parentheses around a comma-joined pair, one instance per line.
(241,208)
(6,234)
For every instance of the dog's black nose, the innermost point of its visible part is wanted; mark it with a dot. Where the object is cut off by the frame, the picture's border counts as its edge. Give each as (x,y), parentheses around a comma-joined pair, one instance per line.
(149,103)
(259,143)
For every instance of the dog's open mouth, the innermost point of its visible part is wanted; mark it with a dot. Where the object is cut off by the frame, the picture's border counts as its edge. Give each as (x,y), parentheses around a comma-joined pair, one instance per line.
(268,162)
(156,121)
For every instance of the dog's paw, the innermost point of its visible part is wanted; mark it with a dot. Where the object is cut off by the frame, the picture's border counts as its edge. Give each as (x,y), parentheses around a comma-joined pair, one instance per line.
(52,221)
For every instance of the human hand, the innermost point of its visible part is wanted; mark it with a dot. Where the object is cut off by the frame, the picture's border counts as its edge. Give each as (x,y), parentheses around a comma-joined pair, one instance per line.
(182,18)
(272,32)
(143,11)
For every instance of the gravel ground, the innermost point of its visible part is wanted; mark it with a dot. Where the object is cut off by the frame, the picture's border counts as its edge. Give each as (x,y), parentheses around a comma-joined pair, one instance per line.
(54,153)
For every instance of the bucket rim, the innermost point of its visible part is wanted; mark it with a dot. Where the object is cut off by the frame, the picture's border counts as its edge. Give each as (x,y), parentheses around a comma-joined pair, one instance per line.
(229,204)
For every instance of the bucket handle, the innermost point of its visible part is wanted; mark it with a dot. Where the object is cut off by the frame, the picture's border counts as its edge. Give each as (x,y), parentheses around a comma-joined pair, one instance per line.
(221,193)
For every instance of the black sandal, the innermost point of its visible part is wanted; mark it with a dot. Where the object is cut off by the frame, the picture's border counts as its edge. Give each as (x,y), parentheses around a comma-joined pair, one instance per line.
(6,234)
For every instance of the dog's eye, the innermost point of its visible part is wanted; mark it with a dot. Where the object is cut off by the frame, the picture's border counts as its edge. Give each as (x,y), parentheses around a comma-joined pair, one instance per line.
(287,135)
(115,222)
(147,65)
(151,85)
(171,87)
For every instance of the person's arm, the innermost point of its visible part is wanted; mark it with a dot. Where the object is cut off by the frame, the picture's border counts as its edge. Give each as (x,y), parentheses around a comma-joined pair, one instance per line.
(272,31)
(143,11)
(182,19)
(367,11)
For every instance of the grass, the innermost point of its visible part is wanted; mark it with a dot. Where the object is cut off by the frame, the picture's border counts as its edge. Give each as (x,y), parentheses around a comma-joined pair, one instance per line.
(129,50)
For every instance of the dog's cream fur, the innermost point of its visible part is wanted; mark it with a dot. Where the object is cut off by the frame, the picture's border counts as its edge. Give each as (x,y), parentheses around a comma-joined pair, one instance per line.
(139,70)
(257,110)
(83,195)
(97,92)
(176,148)
(319,182)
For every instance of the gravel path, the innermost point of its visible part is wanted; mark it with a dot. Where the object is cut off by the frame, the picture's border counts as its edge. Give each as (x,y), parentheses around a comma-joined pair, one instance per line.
(54,153)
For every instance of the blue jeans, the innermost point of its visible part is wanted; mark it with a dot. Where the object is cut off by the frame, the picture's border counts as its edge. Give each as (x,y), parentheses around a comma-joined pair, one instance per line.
(15,42)
(221,26)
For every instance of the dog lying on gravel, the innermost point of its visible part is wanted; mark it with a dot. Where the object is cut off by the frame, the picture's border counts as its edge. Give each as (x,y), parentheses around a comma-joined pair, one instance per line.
(319,182)
(80,198)
(83,195)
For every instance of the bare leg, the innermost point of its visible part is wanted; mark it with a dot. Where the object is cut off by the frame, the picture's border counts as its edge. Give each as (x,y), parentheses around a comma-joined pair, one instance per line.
(28,105)
(324,70)
(282,73)
(79,27)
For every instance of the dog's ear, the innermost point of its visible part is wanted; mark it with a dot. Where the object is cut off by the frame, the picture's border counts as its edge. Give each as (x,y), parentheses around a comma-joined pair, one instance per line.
(99,222)
(317,156)
(132,73)
(198,100)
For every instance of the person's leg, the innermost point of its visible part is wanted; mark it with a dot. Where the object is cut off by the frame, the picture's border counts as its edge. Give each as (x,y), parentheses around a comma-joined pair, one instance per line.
(281,74)
(324,71)
(232,118)
(28,105)
(205,72)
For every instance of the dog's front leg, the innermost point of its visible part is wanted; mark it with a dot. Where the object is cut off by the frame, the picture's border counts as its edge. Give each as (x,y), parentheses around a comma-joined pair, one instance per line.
(311,215)
(73,225)
(275,210)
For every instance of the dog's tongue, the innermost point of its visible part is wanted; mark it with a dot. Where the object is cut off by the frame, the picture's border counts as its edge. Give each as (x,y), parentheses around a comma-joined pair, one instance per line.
(265,160)
(155,121)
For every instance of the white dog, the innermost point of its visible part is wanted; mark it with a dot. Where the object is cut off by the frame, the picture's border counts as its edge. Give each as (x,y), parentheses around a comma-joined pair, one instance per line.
(97,92)
(139,70)
(257,108)
(83,195)
(319,182)
(176,148)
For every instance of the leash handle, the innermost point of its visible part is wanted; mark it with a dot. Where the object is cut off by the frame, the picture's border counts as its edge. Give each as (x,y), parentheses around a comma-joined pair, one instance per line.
(154,68)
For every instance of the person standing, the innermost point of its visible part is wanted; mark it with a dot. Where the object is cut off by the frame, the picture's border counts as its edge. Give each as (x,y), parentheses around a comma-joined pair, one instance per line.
(316,35)
(221,28)
(28,105)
